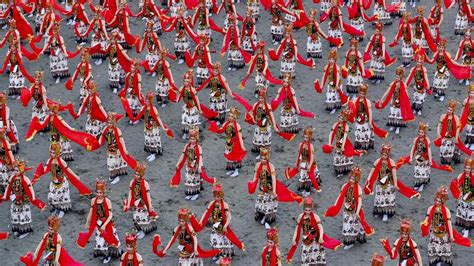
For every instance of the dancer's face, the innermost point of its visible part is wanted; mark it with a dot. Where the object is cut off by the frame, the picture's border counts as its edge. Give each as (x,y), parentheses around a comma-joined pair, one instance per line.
(404,236)
(100,194)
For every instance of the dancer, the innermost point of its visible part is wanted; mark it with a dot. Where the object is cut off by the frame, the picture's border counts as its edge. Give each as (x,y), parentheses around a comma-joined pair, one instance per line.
(51,245)
(361,115)
(344,153)
(192,108)
(448,136)
(59,197)
(19,189)
(202,55)
(96,114)
(314,240)
(190,252)
(465,53)
(151,127)
(131,94)
(400,107)
(306,166)
(164,78)
(195,173)
(131,256)
(6,161)
(219,89)
(404,33)
(235,151)
(376,53)
(440,229)
(271,254)
(7,124)
(117,155)
(354,226)
(404,247)
(14,62)
(259,63)
(335,98)
(58,54)
(218,216)
(290,108)
(384,172)
(445,66)
(100,222)
(144,216)
(353,69)
(270,190)
(288,48)
(461,189)
(83,72)
(421,83)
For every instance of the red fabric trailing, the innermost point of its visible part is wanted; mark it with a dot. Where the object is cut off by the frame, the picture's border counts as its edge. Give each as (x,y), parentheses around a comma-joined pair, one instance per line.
(242,101)
(351,30)
(22,24)
(73,178)
(317,86)
(206,178)
(3,235)
(465,114)
(83,139)
(458,71)
(208,113)
(327,148)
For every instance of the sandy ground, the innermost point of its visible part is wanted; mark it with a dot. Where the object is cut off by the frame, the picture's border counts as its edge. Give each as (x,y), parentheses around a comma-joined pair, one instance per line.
(167,201)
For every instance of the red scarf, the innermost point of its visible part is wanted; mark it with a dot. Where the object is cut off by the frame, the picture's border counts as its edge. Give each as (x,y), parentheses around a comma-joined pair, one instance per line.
(273,256)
